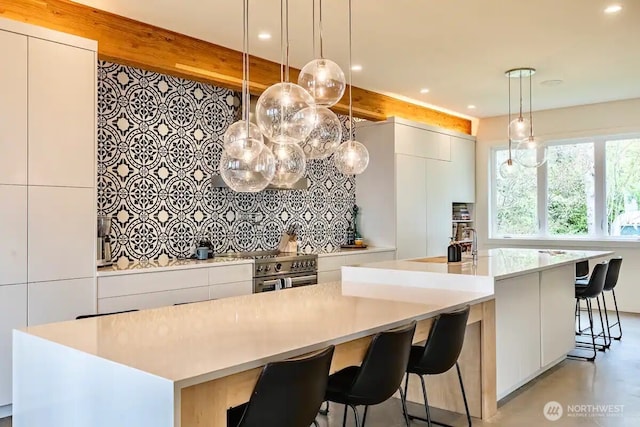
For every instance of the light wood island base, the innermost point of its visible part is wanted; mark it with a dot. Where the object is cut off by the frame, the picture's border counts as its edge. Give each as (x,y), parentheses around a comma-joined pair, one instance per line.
(206,404)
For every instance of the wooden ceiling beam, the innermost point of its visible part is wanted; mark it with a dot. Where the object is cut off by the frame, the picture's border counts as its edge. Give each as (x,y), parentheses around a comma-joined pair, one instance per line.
(129,42)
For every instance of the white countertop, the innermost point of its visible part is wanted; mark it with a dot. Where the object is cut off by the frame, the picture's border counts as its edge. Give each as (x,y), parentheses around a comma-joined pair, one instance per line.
(496,263)
(136,267)
(193,343)
(342,252)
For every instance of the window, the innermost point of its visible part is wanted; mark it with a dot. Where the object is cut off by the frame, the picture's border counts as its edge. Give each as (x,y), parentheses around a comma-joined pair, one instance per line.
(623,187)
(571,189)
(516,196)
(587,188)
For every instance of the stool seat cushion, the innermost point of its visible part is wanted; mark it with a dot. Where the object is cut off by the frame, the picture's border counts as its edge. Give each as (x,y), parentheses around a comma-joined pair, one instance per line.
(415,358)
(234,415)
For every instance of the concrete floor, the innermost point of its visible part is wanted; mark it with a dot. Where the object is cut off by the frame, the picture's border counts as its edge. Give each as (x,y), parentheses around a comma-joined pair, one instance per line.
(613,380)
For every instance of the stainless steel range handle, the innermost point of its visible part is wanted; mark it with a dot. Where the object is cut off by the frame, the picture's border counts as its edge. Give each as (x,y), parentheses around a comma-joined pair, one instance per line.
(303,279)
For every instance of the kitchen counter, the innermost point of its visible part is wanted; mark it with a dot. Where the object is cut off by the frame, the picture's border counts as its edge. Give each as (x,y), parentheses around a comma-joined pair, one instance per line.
(534,297)
(144,365)
(341,252)
(172,264)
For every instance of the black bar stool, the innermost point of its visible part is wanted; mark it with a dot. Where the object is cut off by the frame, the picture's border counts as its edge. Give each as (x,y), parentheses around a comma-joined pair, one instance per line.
(287,394)
(88,316)
(593,290)
(439,354)
(610,282)
(379,376)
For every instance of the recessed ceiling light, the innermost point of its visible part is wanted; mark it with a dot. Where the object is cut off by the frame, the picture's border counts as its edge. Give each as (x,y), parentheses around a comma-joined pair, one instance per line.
(614,8)
(264,36)
(471,107)
(424,90)
(554,82)
(356,68)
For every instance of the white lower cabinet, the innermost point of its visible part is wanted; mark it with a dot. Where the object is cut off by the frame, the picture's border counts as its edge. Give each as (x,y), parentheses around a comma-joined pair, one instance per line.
(235,289)
(557,303)
(60,300)
(13,315)
(329,267)
(153,299)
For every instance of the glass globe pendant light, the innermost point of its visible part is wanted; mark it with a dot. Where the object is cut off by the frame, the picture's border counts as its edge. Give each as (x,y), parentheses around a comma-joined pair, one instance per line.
(326,135)
(248,175)
(282,111)
(290,164)
(507,168)
(352,157)
(243,139)
(321,77)
(520,127)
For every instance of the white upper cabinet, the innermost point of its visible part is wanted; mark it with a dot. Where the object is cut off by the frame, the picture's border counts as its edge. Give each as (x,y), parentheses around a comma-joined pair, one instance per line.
(463,177)
(62,229)
(13,234)
(62,115)
(13,109)
(419,142)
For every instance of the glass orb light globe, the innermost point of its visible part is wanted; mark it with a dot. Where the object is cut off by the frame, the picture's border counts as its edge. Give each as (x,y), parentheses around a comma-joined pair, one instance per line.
(507,168)
(324,80)
(247,176)
(531,153)
(325,137)
(242,141)
(290,164)
(519,129)
(283,115)
(351,158)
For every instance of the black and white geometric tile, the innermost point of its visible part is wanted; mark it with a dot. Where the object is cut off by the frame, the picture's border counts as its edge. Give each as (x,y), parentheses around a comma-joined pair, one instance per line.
(159,143)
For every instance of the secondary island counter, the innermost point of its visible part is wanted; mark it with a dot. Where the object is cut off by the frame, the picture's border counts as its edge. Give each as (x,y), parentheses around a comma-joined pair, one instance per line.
(185,365)
(534,299)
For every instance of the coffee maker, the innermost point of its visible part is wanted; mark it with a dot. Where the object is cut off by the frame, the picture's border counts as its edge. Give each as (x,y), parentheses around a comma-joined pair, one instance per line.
(104,241)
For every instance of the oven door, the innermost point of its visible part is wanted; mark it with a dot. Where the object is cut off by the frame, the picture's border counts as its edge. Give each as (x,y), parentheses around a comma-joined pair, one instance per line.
(267,284)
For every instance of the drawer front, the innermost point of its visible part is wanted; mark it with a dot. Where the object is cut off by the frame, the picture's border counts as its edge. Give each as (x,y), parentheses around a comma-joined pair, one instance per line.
(330,263)
(153,299)
(225,290)
(365,258)
(231,273)
(329,276)
(132,284)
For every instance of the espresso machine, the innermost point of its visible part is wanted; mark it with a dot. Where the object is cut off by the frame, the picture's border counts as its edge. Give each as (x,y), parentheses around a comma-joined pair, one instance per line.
(104,241)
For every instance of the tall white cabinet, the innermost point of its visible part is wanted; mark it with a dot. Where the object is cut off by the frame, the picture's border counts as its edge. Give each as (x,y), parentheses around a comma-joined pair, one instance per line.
(415,173)
(47,182)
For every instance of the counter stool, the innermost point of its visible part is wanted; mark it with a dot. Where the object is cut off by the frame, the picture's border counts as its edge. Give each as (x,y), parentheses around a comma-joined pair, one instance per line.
(439,354)
(593,290)
(88,316)
(379,376)
(287,394)
(610,282)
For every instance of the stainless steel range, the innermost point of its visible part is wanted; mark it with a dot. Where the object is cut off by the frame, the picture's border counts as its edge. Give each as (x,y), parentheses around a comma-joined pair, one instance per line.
(275,270)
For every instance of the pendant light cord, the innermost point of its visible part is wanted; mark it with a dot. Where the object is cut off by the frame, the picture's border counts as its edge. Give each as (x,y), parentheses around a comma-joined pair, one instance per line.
(286,14)
(281,41)
(351,124)
(509,125)
(245,63)
(321,31)
(530,107)
(520,79)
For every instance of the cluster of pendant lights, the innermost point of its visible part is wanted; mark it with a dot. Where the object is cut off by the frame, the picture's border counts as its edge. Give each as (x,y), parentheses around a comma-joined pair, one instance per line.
(530,151)
(293,121)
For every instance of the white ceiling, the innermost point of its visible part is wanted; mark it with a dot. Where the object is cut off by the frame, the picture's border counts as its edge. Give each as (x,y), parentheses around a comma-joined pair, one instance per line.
(459,49)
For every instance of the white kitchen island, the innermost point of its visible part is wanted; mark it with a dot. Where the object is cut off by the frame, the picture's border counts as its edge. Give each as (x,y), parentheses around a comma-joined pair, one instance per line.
(535,301)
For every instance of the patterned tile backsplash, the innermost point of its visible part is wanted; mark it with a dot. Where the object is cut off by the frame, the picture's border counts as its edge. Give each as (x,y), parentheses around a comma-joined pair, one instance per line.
(159,143)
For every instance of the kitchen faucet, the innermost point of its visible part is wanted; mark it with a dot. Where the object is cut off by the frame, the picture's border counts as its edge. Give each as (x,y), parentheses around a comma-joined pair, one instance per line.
(474,244)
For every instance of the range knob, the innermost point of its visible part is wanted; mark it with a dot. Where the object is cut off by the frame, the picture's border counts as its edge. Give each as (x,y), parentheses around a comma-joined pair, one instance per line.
(278,267)
(305,263)
(267,268)
(260,268)
(294,264)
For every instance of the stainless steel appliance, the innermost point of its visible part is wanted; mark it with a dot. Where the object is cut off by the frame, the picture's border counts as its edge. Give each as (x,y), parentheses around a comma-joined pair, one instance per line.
(284,270)
(274,270)
(104,241)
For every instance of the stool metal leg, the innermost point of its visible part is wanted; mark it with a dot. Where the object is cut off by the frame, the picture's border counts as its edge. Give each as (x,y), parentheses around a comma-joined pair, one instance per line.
(324,411)
(355,414)
(604,336)
(593,339)
(364,417)
(344,418)
(615,302)
(403,399)
(426,401)
(315,424)
(464,395)
(606,318)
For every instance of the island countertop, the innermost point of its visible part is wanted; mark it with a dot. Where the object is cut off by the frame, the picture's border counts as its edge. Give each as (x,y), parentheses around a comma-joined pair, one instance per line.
(498,264)
(193,343)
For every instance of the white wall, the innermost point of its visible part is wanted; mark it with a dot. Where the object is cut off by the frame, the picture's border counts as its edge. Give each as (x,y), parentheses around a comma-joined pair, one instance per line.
(609,118)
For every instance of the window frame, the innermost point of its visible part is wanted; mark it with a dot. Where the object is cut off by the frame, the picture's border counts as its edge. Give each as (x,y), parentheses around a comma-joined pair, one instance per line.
(600,196)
